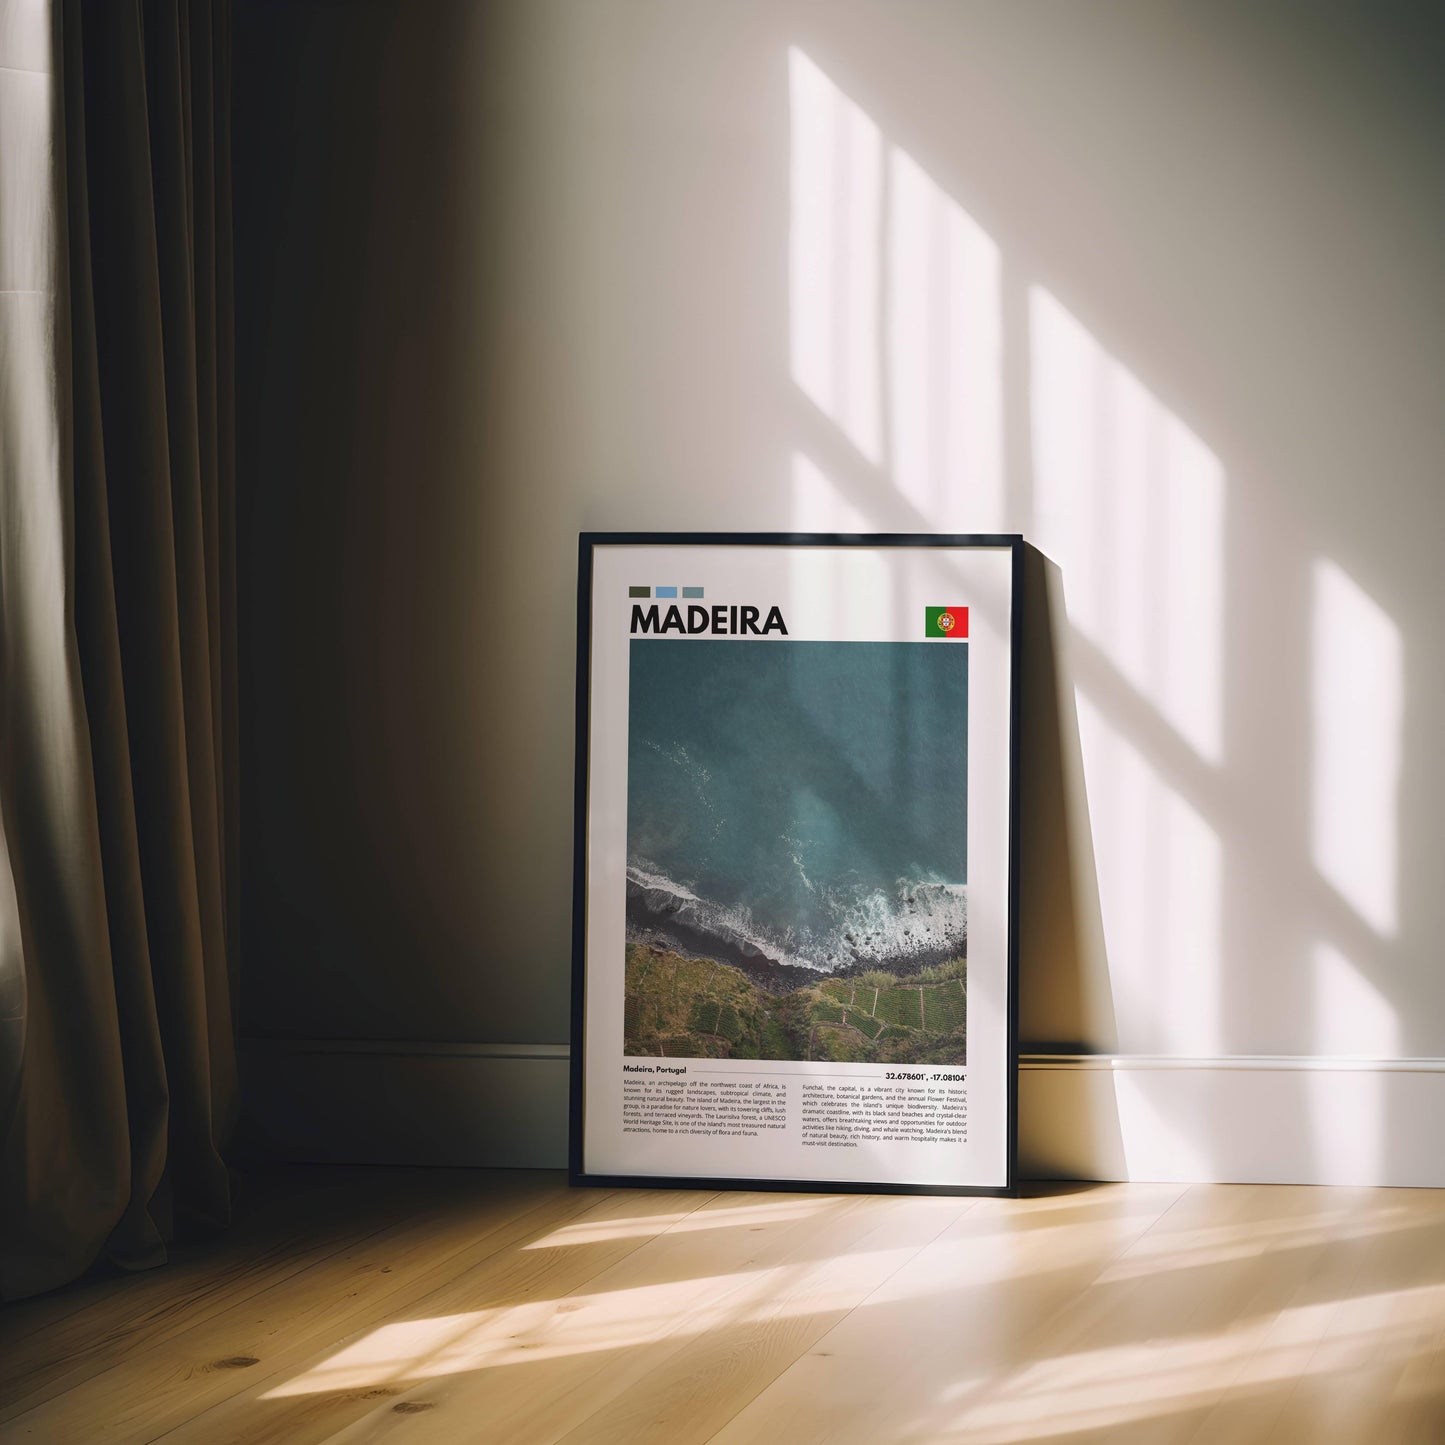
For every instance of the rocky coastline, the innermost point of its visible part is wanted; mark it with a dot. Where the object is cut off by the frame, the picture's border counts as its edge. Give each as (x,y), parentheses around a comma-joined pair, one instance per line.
(662,915)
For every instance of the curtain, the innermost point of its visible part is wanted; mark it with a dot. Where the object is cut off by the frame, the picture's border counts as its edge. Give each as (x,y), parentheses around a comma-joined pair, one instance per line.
(118,739)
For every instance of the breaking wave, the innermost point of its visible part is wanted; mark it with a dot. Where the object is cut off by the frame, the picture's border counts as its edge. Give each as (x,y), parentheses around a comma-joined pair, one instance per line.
(916,924)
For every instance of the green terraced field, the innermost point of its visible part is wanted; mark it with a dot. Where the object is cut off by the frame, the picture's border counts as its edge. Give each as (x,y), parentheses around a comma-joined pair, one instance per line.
(777,1043)
(900,1006)
(695,1008)
(944,1007)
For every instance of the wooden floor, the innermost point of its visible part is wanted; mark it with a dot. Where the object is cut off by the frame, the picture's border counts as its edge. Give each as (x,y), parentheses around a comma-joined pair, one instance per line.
(352,1305)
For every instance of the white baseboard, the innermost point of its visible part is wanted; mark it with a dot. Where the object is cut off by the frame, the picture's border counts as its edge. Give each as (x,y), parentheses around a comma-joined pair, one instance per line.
(1232,1120)
(1221,1120)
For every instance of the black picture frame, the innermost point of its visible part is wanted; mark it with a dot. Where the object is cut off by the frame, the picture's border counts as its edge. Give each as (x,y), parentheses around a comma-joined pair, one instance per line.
(588,542)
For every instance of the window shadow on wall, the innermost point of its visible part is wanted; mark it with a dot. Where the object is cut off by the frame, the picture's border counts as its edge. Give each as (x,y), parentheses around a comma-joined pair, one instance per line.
(1221,875)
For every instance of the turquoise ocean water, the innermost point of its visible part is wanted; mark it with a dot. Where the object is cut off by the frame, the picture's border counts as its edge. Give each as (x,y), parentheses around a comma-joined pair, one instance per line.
(807,799)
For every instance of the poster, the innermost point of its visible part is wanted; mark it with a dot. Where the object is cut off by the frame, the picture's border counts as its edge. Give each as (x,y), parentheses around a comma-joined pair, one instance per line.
(793,922)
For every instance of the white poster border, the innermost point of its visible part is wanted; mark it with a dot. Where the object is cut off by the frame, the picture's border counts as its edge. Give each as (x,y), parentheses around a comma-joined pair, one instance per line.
(824,587)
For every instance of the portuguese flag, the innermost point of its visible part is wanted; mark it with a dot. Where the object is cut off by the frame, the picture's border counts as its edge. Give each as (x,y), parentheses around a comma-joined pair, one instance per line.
(951,622)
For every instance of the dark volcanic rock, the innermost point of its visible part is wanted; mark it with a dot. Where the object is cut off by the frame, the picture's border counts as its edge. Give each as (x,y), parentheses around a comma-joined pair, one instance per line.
(686,925)
(900,966)
(668,916)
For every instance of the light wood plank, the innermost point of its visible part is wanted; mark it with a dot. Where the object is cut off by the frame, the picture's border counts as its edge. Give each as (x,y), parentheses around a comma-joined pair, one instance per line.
(693,1394)
(308,1393)
(1179,1323)
(943,1327)
(142,1396)
(293,1220)
(533,1374)
(434,1307)
(1375,1372)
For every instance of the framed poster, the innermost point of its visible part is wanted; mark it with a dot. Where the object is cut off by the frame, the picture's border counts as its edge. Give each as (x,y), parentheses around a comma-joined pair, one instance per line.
(794,923)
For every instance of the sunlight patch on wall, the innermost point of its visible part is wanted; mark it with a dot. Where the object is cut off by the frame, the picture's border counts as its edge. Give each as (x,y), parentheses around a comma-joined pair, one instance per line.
(1351,1016)
(837,183)
(1130,504)
(1348,1112)
(895,318)
(818,506)
(1359,702)
(944,331)
(1160,868)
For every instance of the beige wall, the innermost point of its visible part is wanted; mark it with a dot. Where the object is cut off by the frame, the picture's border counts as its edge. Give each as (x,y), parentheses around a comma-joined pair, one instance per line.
(1158,285)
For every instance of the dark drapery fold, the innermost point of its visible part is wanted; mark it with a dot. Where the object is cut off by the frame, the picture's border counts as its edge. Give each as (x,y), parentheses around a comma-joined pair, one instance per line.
(124,854)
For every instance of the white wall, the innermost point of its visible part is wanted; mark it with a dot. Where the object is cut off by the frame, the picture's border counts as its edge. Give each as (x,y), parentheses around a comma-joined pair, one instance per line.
(1158,286)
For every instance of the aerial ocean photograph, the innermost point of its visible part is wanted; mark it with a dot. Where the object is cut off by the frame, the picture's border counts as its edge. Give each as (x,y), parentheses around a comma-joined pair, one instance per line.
(797,850)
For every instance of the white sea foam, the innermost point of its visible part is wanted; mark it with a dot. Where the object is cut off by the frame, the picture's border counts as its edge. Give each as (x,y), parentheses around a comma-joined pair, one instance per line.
(731,926)
(646,878)
(917,919)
